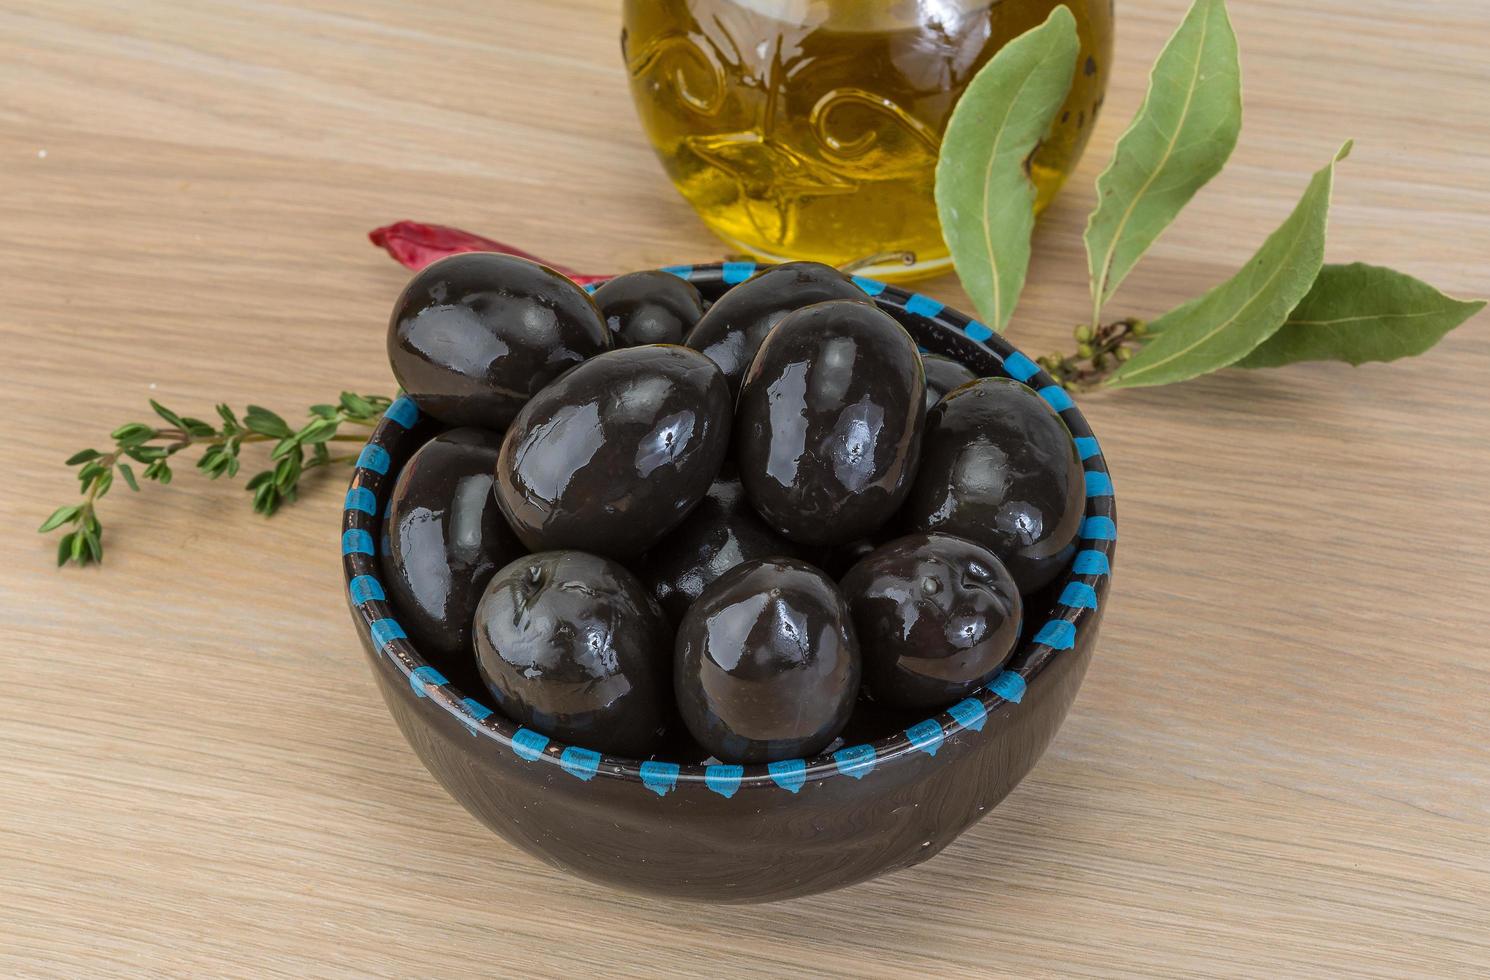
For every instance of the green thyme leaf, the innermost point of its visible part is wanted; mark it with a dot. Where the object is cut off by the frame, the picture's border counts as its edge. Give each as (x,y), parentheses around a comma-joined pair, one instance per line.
(129,476)
(87,455)
(287,471)
(356,405)
(167,414)
(984,196)
(213,462)
(317,432)
(133,434)
(266,423)
(1181,137)
(266,499)
(60,516)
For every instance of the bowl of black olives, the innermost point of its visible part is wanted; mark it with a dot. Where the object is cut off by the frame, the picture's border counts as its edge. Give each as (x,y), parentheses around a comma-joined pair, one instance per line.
(721,582)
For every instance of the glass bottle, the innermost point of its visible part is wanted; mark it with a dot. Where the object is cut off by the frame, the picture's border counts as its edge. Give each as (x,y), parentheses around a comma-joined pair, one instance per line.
(809,129)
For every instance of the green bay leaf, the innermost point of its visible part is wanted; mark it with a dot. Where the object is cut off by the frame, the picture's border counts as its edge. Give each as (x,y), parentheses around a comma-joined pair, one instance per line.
(1181,137)
(1230,321)
(984,196)
(1358,313)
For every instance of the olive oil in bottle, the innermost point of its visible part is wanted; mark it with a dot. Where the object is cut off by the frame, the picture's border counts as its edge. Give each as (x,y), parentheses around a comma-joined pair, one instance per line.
(809,129)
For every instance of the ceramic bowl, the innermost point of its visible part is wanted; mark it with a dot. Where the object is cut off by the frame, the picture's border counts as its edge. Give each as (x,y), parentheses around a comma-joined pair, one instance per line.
(725,833)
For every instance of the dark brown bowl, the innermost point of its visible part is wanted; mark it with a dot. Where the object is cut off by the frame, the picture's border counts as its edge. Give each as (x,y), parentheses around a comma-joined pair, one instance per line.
(724,833)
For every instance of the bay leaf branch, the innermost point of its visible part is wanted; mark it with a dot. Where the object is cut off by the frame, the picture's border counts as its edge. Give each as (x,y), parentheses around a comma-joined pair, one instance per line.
(1230,321)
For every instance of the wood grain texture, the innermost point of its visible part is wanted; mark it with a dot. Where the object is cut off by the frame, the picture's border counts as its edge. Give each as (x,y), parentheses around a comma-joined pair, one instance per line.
(1278,763)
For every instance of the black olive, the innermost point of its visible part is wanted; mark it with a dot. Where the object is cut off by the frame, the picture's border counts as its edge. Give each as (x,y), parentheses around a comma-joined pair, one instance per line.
(571,644)
(766,666)
(936,617)
(446,538)
(732,330)
(614,454)
(473,336)
(999,468)
(942,375)
(828,425)
(720,533)
(652,307)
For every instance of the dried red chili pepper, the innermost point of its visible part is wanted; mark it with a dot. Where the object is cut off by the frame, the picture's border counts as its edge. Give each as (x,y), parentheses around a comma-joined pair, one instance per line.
(415,245)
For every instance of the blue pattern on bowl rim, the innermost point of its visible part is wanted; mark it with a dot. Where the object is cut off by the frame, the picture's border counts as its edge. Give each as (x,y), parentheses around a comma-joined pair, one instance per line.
(936,328)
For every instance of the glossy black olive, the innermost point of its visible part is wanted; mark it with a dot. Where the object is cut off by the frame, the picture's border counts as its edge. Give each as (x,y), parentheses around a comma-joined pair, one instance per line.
(653,307)
(473,336)
(732,330)
(614,454)
(766,666)
(999,467)
(720,533)
(942,375)
(571,645)
(445,539)
(828,424)
(936,617)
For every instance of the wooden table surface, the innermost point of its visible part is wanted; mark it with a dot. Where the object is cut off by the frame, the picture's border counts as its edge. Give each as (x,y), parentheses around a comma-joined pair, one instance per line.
(1278,763)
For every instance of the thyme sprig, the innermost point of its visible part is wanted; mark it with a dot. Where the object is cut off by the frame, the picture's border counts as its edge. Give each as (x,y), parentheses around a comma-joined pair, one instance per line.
(154,447)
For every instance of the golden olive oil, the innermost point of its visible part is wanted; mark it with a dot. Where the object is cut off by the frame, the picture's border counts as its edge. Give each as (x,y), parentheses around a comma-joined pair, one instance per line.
(809,129)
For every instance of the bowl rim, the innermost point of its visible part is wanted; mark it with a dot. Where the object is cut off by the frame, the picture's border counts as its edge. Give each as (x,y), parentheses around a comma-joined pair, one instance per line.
(1082,587)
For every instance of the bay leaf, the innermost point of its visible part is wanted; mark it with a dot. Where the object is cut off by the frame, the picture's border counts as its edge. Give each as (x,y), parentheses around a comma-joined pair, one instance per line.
(1181,137)
(1229,322)
(1358,313)
(984,196)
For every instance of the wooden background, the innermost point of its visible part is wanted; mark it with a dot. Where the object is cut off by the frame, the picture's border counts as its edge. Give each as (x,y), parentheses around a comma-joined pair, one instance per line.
(1278,764)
